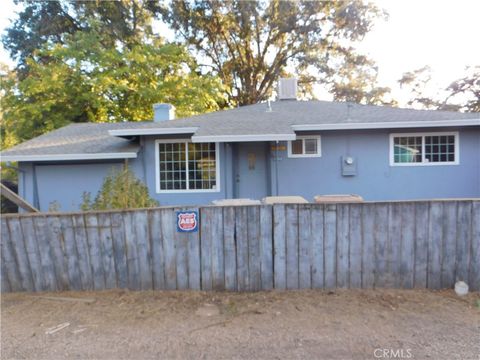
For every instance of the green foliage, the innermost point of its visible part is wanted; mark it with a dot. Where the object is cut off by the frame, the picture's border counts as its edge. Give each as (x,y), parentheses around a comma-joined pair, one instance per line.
(85,81)
(120,190)
(250,44)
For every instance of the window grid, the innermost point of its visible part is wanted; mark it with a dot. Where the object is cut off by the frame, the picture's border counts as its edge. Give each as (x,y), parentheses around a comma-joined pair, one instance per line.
(425,149)
(187,166)
(308,146)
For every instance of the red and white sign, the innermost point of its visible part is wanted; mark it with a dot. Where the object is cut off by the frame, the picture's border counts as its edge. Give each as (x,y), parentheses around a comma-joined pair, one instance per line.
(187,221)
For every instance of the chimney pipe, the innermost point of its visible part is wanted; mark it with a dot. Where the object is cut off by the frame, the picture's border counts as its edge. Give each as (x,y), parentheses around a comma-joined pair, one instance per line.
(163,112)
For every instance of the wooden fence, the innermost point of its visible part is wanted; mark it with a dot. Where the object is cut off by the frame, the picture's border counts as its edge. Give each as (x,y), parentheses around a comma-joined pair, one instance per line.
(427,244)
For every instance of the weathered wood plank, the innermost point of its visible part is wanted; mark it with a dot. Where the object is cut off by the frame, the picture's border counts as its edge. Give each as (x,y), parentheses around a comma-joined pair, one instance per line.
(11,278)
(368,247)
(83,258)
(305,247)
(317,231)
(330,246)
(140,220)
(206,248)
(474,273)
(133,266)
(356,243)
(241,232)
(181,258)
(394,244)
(218,263)
(229,248)
(57,243)
(449,244)
(279,247)
(95,250)
(342,244)
(291,224)
(381,245)
(463,241)
(254,274)
(20,252)
(119,251)
(41,233)
(106,246)
(5,284)
(168,240)
(407,250)
(71,253)
(33,253)
(158,261)
(422,210)
(266,247)
(435,245)
(194,266)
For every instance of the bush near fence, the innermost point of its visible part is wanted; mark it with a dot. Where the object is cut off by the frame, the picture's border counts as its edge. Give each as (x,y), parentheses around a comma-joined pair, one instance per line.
(423,244)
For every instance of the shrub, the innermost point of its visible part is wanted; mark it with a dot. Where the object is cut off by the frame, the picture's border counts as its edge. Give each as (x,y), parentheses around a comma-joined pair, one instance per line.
(121,189)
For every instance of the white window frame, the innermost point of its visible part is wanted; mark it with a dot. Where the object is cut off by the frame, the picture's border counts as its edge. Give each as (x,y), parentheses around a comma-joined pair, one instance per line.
(303,155)
(424,162)
(184,191)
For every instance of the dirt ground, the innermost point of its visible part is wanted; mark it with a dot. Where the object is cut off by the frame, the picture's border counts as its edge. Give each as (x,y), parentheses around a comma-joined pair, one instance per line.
(345,324)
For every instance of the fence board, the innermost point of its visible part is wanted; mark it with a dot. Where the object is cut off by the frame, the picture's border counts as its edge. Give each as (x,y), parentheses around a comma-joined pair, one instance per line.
(229,248)
(401,244)
(342,245)
(305,247)
(119,250)
(368,248)
(168,221)
(266,248)
(11,278)
(463,241)
(356,243)
(241,231)
(422,210)
(317,230)
(330,246)
(95,251)
(474,274)
(141,219)
(106,246)
(449,244)
(279,248)
(158,270)
(435,245)
(57,243)
(291,224)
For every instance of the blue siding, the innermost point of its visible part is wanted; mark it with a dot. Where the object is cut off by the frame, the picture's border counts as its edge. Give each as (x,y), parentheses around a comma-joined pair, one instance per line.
(375,180)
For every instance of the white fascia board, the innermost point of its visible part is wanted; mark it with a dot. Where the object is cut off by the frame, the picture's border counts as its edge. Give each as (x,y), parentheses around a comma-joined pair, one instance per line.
(157,131)
(243,138)
(386,125)
(61,157)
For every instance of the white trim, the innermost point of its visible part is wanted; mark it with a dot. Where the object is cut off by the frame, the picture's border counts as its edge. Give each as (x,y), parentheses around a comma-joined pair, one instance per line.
(156,131)
(185,191)
(386,125)
(303,155)
(423,134)
(239,138)
(97,156)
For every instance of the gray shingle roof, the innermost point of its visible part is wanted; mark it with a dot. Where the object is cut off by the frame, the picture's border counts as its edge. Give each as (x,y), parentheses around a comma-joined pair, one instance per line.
(286,117)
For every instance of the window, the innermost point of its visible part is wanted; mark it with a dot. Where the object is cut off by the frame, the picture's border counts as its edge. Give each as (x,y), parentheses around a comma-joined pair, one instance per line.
(424,149)
(185,166)
(304,146)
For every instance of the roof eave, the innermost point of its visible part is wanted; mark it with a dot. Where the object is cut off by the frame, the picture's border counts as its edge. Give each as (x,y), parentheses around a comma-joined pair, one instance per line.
(157,131)
(243,138)
(66,157)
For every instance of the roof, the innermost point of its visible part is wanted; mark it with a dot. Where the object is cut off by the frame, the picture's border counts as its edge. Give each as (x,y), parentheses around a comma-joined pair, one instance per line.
(247,123)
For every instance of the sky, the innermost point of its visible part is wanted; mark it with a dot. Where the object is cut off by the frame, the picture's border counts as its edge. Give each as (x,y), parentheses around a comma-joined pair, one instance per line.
(440,33)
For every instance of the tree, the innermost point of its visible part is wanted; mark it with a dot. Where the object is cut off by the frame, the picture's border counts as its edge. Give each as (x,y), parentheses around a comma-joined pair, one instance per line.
(120,190)
(86,81)
(51,22)
(249,44)
(461,95)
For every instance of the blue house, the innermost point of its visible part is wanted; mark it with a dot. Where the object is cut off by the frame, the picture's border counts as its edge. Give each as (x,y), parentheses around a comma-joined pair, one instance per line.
(286,147)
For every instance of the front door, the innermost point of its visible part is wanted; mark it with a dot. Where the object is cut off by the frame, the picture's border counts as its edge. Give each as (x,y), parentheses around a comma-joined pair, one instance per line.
(252,170)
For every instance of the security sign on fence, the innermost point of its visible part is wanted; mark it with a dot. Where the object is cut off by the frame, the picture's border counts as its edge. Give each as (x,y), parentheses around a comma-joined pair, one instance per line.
(187,221)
